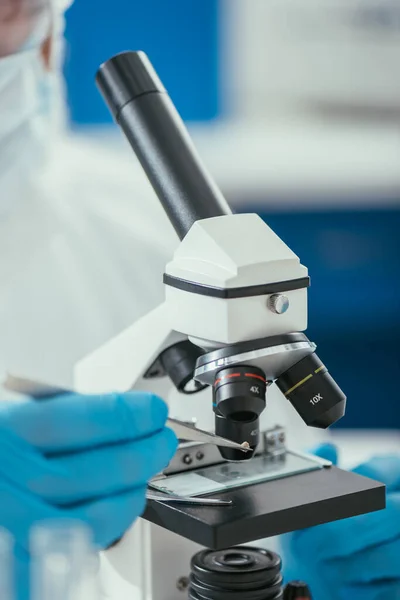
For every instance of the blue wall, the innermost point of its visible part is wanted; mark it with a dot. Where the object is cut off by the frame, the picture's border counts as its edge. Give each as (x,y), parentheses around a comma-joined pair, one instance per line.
(354,303)
(180,37)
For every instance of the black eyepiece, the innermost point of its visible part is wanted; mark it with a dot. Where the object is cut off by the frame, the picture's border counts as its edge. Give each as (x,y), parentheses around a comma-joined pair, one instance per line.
(238,401)
(313,392)
(126,77)
(143,110)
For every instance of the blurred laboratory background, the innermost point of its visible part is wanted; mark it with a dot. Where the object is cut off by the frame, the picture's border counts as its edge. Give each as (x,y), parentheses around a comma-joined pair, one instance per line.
(295,107)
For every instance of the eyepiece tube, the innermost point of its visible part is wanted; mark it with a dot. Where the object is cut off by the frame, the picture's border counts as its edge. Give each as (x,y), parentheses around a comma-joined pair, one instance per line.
(148,118)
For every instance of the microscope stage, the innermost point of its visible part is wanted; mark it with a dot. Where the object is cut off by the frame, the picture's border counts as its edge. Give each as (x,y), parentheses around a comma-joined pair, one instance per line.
(271,508)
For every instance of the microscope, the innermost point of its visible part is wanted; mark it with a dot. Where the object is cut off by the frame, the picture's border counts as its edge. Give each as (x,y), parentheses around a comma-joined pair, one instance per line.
(231,326)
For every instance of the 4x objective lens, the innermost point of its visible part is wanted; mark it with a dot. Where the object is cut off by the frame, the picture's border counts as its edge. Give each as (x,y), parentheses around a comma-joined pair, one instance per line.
(238,401)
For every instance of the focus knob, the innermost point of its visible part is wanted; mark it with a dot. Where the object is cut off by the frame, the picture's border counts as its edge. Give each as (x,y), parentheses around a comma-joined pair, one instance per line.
(297,590)
(278,303)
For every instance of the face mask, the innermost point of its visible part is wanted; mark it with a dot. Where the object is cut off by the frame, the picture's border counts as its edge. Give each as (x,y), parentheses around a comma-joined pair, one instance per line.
(26,89)
(31,101)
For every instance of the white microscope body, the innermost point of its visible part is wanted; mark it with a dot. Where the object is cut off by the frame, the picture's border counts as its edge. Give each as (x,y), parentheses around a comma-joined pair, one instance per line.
(229,252)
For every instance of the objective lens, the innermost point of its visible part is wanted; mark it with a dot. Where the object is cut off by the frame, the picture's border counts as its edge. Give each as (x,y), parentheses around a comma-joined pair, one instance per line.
(238,401)
(241,573)
(179,362)
(313,392)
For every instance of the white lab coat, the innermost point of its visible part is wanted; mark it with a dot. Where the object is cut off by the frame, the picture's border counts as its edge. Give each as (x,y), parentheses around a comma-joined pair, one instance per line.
(82,257)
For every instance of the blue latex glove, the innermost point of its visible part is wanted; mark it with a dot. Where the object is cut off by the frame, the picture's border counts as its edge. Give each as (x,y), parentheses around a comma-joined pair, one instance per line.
(357,558)
(78,457)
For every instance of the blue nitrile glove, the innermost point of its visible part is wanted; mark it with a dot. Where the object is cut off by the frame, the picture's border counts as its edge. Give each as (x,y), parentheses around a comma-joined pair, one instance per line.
(80,457)
(357,558)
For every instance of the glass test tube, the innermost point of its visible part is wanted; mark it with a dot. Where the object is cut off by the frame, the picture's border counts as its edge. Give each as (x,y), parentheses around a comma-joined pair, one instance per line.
(64,564)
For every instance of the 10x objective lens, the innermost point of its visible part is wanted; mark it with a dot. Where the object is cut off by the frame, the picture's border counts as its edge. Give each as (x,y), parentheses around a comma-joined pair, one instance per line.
(313,392)
(238,401)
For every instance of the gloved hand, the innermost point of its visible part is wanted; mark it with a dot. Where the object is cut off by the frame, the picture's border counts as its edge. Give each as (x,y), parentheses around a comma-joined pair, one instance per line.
(357,558)
(78,457)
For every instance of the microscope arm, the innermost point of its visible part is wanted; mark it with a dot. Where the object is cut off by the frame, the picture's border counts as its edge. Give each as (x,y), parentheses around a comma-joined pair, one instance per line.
(122,363)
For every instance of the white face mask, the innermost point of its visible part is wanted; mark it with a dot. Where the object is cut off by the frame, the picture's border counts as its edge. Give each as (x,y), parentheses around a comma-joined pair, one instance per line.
(30,103)
(25,100)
